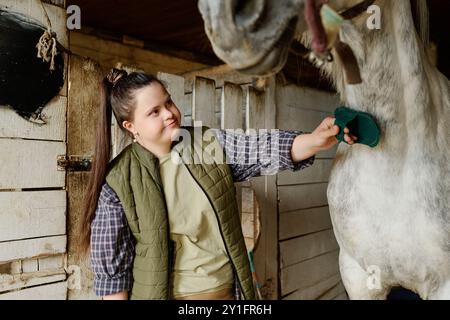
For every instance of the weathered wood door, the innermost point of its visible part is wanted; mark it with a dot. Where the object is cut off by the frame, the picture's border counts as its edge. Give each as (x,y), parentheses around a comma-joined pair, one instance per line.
(32,190)
(82,114)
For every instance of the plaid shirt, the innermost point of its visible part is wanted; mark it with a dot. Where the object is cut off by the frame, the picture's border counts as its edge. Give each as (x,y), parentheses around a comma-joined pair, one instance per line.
(112,244)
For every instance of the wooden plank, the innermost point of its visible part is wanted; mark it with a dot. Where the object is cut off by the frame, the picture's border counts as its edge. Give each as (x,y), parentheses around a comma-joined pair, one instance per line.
(291,118)
(54,113)
(266,252)
(83,107)
(20,281)
(83,113)
(304,109)
(318,173)
(315,291)
(175,87)
(217,105)
(305,221)
(231,106)
(303,248)
(334,292)
(11,268)
(342,296)
(308,273)
(248,200)
(109,53)
(32,214)
(187,121)
(30,265)
(220,74)
(250,216)
(306,98)
(188,104)
(51,263)
(59,3)
(54,291)
(26,249)
(270,103)
(302,196)
(34,10)
(254,109)
(203,102)
(30,164)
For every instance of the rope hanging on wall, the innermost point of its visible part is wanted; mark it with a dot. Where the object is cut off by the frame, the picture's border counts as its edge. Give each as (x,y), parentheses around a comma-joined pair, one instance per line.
(46,45)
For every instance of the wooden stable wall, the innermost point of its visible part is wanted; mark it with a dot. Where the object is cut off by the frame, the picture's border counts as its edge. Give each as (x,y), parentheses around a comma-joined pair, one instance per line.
(296,254)
(308,249)
(32,190)
(128,53)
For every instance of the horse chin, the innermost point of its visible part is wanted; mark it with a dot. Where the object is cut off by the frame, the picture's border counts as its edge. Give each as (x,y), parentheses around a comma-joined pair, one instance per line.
(270,64)
(276,58)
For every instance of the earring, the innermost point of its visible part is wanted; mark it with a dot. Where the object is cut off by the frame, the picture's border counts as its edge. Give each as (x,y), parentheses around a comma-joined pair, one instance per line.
(135,136)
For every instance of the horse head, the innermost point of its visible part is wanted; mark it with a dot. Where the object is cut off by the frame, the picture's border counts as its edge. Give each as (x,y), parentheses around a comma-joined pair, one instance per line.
(254,36)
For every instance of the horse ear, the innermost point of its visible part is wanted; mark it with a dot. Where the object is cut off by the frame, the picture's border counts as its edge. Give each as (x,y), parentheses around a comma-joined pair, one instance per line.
(421,18)
(26,82)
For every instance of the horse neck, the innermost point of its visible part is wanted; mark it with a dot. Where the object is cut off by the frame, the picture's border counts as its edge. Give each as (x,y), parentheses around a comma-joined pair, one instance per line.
(395,86)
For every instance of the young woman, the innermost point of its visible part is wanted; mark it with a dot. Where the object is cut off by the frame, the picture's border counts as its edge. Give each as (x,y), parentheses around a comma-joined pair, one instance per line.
(158,229)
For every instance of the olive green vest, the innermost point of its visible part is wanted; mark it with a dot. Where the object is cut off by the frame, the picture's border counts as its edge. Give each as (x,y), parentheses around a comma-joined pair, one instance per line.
(134,176)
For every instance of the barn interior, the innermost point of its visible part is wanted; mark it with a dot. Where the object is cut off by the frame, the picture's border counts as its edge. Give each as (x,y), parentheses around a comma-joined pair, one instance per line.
(176,28)
(285,218)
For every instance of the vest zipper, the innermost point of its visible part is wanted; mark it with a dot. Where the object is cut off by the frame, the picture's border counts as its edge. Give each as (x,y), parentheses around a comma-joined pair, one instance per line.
(171,252)
(221,232)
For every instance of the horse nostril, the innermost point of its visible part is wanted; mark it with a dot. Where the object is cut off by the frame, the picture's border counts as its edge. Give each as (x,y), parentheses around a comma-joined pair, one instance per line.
(248,13)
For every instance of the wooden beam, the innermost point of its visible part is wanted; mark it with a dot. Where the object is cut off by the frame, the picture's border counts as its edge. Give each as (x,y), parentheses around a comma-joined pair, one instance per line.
(82,113)
(151,46)
(266,252)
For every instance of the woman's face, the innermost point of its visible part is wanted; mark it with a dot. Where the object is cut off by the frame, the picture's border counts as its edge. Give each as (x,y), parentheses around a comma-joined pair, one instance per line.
(156,117)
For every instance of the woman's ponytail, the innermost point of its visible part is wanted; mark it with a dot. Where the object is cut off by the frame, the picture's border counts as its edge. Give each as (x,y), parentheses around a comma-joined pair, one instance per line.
(102,155)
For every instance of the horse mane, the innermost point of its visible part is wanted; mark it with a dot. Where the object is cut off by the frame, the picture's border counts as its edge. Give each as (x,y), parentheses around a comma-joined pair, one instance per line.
(421,18)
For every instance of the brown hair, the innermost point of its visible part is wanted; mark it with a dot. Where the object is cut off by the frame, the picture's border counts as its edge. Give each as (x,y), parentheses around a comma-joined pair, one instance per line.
(118,97)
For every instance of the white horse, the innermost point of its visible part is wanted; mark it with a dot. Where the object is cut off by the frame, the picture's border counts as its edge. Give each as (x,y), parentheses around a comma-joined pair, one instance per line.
(389,205)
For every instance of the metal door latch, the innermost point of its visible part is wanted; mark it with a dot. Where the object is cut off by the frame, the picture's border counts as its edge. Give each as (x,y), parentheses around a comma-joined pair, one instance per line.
(74,163)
